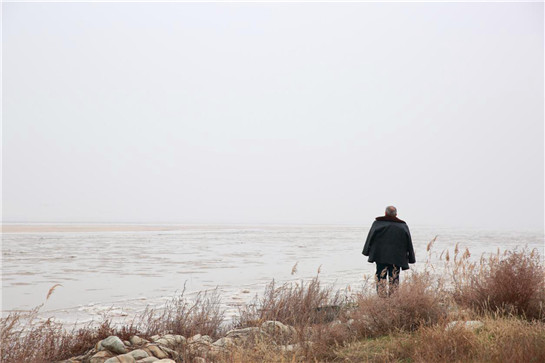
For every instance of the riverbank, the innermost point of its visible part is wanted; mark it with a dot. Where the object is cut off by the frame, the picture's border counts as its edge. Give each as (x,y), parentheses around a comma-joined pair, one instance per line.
(430,318)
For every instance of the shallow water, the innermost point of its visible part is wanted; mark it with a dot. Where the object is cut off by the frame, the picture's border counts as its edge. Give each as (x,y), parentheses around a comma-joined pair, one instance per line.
(123,272)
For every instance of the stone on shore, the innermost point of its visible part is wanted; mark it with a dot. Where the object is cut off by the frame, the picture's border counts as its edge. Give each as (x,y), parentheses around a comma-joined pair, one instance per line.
(113,344)
(156,351)
(148,360)
(123,358)
(136,340)
(139,354)
(101,356)
(277,329)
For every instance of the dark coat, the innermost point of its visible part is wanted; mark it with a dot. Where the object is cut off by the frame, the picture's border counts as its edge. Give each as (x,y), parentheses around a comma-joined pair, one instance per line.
(389,242)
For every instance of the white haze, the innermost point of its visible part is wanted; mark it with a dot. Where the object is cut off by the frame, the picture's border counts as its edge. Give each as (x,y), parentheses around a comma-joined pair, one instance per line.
(274,113)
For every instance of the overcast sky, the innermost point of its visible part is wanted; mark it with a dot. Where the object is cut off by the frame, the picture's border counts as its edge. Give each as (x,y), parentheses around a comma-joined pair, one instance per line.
(274,113)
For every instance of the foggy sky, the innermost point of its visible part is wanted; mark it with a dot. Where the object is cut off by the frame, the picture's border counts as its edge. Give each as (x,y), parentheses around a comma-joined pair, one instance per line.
(274,113)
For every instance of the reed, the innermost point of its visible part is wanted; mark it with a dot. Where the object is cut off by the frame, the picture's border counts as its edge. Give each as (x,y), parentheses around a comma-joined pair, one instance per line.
(506,291)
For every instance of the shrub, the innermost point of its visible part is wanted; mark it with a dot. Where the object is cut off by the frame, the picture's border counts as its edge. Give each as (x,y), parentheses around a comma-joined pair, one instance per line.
(23,338)
(436,345)
(510,284)
(297,304)
(416,302)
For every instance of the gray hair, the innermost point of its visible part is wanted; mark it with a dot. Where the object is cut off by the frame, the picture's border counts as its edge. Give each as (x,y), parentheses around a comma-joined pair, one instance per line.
(391,211)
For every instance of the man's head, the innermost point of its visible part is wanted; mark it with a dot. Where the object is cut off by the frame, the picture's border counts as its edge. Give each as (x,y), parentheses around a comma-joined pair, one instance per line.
(391,211)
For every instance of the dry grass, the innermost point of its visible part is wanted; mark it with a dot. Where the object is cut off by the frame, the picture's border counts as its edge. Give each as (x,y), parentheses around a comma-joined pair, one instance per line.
(26,339)
(505,291)
(203,315)
(501,340)
(23,339)
(419,301)
(509,284)
(296,304)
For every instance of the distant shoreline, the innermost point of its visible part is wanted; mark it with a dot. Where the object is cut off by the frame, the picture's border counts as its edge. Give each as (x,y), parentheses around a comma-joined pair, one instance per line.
(53,227)
(135,227)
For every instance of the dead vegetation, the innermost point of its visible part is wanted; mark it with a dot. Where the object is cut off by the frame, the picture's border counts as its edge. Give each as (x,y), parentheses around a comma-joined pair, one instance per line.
(504,291)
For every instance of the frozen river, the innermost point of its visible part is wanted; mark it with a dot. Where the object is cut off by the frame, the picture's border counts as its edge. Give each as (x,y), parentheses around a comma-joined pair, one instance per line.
(126,268)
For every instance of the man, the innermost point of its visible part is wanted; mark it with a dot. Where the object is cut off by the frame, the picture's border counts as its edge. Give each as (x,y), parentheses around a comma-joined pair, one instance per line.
(389,244)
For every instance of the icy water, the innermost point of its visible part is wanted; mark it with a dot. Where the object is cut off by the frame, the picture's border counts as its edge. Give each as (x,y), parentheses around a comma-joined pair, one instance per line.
(122,272)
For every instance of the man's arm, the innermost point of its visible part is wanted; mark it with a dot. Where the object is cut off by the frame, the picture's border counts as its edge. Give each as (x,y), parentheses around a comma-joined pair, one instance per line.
(410,249)
(369,241)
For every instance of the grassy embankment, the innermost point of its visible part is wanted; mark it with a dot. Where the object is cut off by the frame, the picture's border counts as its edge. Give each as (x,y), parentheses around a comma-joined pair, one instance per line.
(506,292)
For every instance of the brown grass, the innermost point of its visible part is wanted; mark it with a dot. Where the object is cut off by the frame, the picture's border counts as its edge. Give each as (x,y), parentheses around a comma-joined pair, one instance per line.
(296,304)
(501,340)
(505,291)
(26,339)
(510,284)
(417,302)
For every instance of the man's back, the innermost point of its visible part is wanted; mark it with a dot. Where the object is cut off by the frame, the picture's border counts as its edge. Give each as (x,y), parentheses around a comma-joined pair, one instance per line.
(389,242)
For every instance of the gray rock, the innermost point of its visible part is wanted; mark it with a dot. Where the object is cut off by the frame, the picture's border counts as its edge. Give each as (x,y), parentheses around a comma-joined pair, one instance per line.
(172,341)
(123,358)
(194,338)
(199,347)
(136,340)
(139,354)
(157,351)
(224,342)
(244,332)
(277,328)
(165,361)
(101,357)
(469,325)
(148,360)
(113,344)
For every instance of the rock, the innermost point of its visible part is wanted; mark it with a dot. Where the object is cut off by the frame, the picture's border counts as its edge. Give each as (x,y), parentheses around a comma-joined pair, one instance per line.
(148,360)
(224,342)
(194,338)
(127,343)
(136,340)
(156,351)
(277,328)
(199,360)
(171,340)
(245,333)
(180,339)
(101,356)
(171,353)
(165,361)
(469,325)
(113,344)
(154,337)
(123,358)
(199,347)
(139,354)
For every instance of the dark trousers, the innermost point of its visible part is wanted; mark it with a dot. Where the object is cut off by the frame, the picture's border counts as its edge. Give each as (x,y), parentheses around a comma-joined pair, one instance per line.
(385,287)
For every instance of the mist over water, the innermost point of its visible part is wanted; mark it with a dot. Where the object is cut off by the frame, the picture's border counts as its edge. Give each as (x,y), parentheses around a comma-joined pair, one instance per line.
(123,272)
